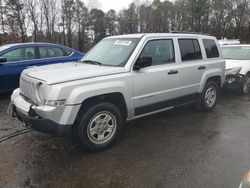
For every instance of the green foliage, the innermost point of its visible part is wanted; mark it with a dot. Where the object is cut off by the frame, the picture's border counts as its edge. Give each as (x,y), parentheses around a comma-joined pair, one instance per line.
(128,20)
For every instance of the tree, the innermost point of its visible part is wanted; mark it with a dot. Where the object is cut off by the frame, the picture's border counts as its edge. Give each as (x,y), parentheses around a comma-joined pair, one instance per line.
(128,20)
(145,19)
(238,10)
(49,10)
(220,17)
(97,24)
(68,11)
(3,19)
(111,22)
(72,23)
(197,14)
(81,19)
(33,16)
(16,16)
(161,15)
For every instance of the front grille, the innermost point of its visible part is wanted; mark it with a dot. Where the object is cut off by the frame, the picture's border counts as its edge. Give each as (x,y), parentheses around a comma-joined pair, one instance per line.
(28,90)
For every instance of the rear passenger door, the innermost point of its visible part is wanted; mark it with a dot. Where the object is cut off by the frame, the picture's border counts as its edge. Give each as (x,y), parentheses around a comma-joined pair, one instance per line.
(192,65)
(212,55)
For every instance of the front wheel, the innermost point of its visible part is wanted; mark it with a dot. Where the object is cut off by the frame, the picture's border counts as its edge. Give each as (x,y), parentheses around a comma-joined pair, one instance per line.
(208,97)
(100,126)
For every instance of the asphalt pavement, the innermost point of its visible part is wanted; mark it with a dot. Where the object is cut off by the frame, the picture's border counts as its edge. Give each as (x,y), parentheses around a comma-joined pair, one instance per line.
(177,148)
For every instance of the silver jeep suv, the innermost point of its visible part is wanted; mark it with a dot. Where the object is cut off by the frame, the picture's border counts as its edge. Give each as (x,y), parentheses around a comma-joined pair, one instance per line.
(122,78)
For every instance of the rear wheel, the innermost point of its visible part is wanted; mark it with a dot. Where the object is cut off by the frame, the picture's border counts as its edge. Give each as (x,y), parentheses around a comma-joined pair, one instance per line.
(100,126)
(245,88)
(208,97)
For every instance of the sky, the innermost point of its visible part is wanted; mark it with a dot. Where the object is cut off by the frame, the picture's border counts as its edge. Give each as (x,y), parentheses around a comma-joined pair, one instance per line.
(114,4)
(117,5)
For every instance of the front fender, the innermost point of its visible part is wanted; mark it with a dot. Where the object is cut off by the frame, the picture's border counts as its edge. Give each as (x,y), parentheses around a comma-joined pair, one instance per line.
(80,94)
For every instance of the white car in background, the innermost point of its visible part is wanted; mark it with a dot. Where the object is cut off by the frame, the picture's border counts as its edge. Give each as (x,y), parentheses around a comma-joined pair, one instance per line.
(225,41)
(237,67)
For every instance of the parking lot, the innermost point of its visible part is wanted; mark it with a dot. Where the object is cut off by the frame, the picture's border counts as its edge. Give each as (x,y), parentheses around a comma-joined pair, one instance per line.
(178,148)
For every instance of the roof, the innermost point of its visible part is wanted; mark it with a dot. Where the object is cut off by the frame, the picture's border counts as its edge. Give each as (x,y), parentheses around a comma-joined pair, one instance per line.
(6,46)
(140,35)
(32,43)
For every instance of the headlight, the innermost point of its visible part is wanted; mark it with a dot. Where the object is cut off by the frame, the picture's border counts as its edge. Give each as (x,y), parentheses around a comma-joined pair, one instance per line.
(233,71)
(41,91)
(55,103)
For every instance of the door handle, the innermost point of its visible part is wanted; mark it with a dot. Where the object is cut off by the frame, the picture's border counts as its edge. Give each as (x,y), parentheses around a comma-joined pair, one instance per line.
(202,68)
(173,72)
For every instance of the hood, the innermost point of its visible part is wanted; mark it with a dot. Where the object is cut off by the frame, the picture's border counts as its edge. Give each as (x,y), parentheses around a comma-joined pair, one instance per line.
(64,72)
(245,64)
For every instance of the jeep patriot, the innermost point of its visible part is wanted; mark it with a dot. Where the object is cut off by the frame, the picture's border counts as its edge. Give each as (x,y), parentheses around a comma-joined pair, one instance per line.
(120,79)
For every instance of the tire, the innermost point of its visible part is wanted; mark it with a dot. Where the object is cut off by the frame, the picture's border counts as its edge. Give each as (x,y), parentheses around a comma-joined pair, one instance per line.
(207,101)
(245,86)
(99,126)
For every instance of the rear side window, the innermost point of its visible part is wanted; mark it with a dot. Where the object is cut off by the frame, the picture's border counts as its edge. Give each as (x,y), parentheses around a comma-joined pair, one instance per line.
(211,48)
(49,52)
(190,49)
(29,53)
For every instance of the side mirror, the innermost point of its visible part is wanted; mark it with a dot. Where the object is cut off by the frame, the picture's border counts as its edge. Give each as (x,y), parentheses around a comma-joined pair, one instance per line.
(142,62)
(3,60)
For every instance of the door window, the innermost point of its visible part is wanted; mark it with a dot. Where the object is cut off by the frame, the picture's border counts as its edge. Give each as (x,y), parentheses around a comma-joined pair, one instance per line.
(29,53)
(48,52)
(190,49)
(161,51)
(13,55)
(20,54)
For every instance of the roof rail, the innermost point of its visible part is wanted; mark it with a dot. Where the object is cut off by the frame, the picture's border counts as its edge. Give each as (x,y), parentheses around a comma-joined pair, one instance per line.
(188,32)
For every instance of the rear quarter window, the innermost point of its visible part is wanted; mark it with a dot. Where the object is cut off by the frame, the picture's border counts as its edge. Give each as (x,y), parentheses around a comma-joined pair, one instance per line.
(211,48)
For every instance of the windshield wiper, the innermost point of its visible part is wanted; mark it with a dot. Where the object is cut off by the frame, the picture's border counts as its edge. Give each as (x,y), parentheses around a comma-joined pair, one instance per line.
(91,62)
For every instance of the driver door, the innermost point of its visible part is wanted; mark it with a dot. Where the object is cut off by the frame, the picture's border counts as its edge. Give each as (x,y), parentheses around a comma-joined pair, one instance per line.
(155,85)
(17,60)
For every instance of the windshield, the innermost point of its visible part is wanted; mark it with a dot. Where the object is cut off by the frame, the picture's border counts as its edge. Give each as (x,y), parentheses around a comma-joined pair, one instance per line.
(237,53)
(112,51)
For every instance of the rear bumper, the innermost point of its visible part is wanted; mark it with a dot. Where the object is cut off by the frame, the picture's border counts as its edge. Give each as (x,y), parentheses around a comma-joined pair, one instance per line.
(234,81)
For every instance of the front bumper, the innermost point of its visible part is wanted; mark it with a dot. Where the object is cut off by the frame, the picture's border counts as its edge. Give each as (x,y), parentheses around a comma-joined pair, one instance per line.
(234,81)
(24,111)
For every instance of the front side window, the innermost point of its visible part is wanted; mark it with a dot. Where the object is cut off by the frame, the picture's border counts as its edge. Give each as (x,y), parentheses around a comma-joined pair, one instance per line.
(49,52)
(13,55)
(112,51)
(211,48)
(190,49)
(161,51)
(20,54)
(236,53)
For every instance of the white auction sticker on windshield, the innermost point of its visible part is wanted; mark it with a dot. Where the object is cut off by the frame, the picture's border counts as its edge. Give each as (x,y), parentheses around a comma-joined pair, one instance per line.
(123,42)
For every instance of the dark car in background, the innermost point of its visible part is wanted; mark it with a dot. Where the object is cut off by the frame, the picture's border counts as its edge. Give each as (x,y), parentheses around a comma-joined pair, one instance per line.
(14,58)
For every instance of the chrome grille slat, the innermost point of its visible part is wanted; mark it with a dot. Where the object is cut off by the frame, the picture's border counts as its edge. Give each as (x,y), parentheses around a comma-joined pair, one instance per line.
(28,90)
